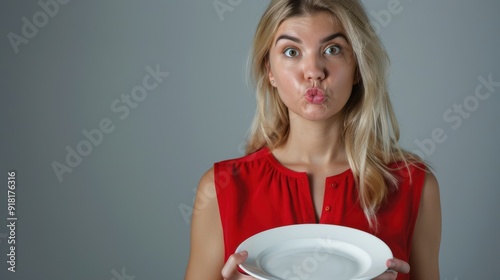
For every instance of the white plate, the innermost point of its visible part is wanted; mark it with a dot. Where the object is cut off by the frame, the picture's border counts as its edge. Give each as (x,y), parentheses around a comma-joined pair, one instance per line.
(314,252)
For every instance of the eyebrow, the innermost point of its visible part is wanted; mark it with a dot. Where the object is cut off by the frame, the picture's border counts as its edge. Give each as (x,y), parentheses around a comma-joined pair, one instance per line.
(298,41)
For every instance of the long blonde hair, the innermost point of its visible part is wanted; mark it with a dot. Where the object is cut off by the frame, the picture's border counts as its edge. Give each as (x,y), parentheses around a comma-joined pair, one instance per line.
(370,133)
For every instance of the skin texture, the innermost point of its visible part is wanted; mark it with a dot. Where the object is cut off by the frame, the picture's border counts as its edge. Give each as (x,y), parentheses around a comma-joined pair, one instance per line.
(300,59)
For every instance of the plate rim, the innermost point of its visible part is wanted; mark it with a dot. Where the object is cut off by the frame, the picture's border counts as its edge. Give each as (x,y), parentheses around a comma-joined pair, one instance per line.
(322,231)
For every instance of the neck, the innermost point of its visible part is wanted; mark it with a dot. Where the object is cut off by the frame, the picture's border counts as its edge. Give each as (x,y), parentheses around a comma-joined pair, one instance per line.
(315,143)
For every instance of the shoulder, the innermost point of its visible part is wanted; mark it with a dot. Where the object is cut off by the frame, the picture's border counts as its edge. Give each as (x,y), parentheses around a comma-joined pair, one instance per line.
(411,173)
(431,181)
(430,193)
(206,190)
(241,165)
(207,178)
(430,196)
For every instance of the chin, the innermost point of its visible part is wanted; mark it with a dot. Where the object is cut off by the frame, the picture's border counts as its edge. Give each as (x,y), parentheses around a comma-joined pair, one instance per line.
(319,117)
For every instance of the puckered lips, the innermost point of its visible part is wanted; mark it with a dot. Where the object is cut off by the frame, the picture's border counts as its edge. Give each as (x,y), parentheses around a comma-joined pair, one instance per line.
(315,95)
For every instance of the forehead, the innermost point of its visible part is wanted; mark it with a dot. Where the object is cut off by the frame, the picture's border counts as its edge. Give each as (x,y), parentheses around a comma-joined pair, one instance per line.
(310,25)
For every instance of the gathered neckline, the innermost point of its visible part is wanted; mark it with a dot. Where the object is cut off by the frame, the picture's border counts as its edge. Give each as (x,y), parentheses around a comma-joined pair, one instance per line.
(300,174)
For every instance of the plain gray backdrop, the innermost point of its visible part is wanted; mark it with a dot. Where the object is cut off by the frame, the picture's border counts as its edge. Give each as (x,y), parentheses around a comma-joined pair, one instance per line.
(122,208)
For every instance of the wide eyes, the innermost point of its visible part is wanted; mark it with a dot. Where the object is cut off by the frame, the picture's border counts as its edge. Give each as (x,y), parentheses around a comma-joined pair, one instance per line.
(330,50)
(291,52)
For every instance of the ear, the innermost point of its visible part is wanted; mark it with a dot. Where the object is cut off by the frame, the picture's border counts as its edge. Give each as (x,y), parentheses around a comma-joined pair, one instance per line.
(269,72)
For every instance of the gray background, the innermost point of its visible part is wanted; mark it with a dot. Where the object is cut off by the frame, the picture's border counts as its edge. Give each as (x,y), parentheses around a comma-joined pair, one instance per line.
(123,211)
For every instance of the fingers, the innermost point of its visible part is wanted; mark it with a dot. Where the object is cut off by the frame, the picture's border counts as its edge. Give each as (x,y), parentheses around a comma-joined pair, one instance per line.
(394,266)
(398,265)
(230,269)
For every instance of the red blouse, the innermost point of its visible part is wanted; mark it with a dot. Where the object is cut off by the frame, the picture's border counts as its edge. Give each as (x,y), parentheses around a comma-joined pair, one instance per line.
(256,193)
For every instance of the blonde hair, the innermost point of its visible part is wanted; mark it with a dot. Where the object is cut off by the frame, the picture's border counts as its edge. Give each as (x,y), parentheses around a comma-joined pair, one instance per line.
(370,133)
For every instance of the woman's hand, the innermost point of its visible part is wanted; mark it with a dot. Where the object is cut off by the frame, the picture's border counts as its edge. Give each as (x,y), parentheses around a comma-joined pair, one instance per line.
(394,266)
(230,269)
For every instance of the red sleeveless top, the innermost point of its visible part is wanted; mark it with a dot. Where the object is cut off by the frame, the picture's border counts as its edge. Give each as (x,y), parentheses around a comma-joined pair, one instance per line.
(256,193)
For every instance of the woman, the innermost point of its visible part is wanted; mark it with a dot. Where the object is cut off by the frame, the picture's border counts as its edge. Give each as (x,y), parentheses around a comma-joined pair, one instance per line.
(323,148)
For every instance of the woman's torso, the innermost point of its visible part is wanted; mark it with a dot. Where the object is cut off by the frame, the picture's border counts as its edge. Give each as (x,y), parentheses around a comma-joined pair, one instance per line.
(256,193)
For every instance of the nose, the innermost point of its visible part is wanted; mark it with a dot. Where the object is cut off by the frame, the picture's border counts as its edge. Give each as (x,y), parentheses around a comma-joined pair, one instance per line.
(314,68)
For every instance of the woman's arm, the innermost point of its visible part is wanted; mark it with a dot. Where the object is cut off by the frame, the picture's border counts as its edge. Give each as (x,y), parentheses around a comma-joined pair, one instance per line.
(206,257)
(424,259)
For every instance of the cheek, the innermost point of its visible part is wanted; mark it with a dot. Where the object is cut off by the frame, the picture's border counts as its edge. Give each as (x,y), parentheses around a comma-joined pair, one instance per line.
(344,76)
(288,75)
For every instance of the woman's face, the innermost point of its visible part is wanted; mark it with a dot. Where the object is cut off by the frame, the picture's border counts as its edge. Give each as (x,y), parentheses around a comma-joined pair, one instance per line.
(312,66)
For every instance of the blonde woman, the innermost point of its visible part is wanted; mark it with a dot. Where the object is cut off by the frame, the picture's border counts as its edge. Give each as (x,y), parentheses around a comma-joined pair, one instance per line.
(323,148)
